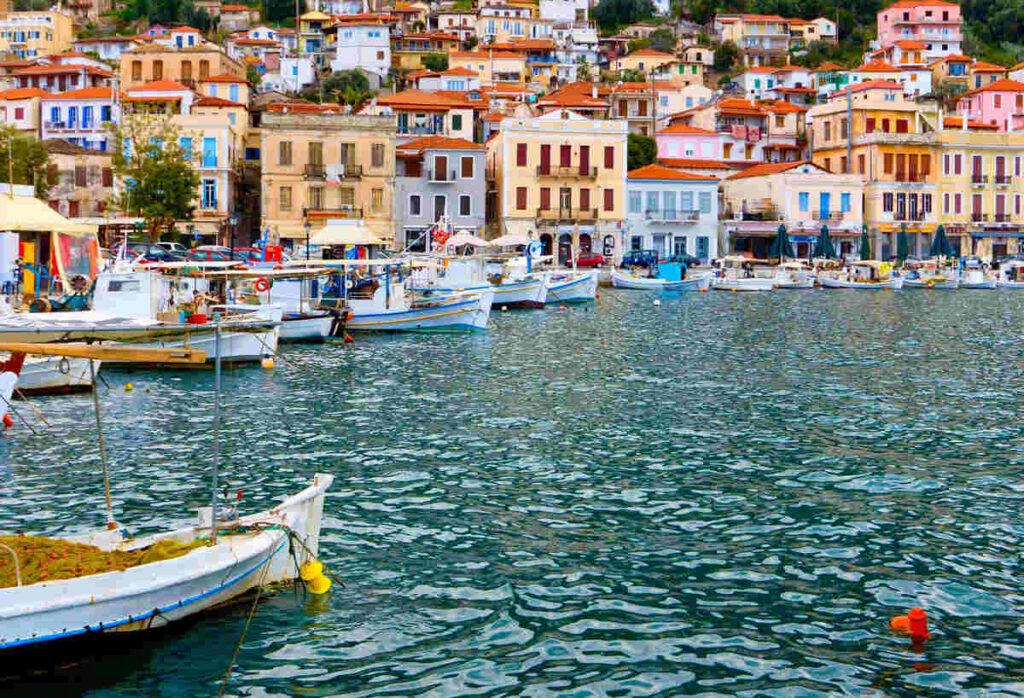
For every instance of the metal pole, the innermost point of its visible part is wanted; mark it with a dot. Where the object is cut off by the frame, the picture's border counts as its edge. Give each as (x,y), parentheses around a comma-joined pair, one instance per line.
(216,433)
(111,523)
(849,129)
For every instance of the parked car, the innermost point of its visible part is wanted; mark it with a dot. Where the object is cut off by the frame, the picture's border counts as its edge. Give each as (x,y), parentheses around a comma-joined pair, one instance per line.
(198,255)
(153,252)
(687,259)
(175,247)
(590,260)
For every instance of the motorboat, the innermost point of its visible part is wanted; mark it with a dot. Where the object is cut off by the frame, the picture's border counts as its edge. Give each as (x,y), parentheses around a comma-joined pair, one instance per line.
(737,274)
(974,275)
(54,375)
(929,274)
(298,292)
(794,275)
(865,275)
(513,280)
(570,286)
(623,279)
(1011,274)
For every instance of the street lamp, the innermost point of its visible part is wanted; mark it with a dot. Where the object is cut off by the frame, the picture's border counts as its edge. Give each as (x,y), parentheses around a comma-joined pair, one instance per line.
(232,222)
(307,227)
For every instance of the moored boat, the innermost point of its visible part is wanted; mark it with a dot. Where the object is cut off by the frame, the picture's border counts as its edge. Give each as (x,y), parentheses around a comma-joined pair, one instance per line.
(930,274)
(866,275)
(974,275)
(737,274)
(1011,275)
(571,287)
(645,283)
(793,276)
(53,375)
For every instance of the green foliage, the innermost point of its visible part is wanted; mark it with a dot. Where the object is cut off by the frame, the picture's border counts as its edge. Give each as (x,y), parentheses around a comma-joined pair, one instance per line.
(994,21)
(662,39)
(725,56)
(582,68)
(821,52)
(436,62)
(347,87)
(638,44)
(630,75)
(610,14)
(702,11)
(165,12)
(640,150)
(161,183)
(253,76)
(30,159)
(279,11)
(471,42)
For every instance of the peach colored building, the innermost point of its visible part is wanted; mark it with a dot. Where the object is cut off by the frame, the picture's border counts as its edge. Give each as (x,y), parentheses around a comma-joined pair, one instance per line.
(934,23)
(186,65)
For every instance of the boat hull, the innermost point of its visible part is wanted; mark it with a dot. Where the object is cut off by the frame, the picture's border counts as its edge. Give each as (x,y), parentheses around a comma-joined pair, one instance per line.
(639,283)
(307,327)
(891,284)
(943,285)
(55,375)
(464,312)
(1015,285)
(155,594)
(575,289)
(531,293)
(235,347)
(794,285)
(744,285)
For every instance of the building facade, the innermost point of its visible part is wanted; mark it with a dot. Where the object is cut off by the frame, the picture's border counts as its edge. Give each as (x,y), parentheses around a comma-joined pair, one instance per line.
(672,213)
(36,34)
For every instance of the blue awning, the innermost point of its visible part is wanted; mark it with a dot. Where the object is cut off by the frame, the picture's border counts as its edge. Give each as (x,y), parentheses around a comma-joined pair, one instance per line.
(997,234)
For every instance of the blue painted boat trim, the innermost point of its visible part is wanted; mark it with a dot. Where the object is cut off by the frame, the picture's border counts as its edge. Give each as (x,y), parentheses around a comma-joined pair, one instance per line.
(416,310)
(149,614)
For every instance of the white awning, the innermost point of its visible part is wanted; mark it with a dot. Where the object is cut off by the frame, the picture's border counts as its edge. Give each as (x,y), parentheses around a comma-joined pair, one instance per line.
(345,232)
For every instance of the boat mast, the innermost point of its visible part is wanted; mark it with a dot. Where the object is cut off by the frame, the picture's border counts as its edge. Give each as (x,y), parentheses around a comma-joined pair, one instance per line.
(216,433)
(111,523)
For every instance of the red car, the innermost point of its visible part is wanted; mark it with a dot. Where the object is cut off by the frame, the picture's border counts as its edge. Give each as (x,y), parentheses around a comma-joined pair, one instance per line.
(590,260)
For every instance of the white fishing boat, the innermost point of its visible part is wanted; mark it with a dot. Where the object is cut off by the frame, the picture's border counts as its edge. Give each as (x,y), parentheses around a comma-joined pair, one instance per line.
(261,549)
(1011,274)
(929,274)
(297,291)
(52,375)
(512,280)
(866,275)
(570,286)
(531,292)
(621,279)
(975,276)
(793,276)
(737,275)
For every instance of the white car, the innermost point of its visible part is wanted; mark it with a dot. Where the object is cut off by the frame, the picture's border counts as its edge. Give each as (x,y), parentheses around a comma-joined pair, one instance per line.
(175,247)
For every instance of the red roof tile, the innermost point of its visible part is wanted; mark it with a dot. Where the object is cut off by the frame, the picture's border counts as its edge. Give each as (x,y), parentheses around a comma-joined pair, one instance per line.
(1003,85)
(24,93)
(768,168)
(694,163)
(877,67)
(655,171)
(439,143)
(685,129)
(86,93)
(216,102)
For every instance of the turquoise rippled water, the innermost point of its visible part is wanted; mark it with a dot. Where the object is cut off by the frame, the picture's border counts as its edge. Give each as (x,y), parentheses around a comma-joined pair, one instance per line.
(726,494)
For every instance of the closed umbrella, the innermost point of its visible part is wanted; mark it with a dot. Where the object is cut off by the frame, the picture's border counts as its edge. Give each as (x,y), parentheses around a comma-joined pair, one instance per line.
(824,246)
(865,244)
(902,245)
(940,244)
(780,246)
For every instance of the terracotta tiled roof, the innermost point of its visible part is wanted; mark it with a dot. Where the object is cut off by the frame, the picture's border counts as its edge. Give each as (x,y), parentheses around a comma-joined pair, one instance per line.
(694,163)
(919,3)
(652,52)
(762,69)
(827,67)
(459,71)
(182,30)
(300,107)
(235,8)
(61,69)
(216,102)
(485,54)
(86,93)
(153,98)
(413,99)
(877,67)
(1003,85)
(159,86)
(779,106)
(954,58)
(739,106)
(767,168)
(225,77)
(871,85)
(255,42)
(958,122)
(24,93)
(763,18)
(655,171)
(909,45)
(444,36)
(439,143)
(685,129)
(574,95)
(983,67)
(493,117)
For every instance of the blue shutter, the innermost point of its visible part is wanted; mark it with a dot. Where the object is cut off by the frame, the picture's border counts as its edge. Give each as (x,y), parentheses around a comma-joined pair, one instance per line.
(825,203)
(186,146)
(209,152)
(55,114)
(233,91)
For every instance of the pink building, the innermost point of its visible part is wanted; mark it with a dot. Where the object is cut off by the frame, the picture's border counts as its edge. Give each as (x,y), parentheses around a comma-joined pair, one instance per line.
(683,141)
(934,23)
(1000,104)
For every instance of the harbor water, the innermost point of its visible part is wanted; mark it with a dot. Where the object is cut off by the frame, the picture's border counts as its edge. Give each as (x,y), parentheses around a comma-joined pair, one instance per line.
(726,493)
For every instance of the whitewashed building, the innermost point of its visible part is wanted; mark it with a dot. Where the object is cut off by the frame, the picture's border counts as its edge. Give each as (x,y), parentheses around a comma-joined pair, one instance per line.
(363,43)
(672,212)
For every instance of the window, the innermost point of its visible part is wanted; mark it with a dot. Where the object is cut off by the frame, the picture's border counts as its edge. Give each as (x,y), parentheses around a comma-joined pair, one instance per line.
(415,204)
(521,197)
(456,122)
(957,163)
(780,121)
(80,176)
(209,194)
(465,205)
(584,199)
(887,163)
(105,113)
(1016,204)
(158,70)
(316,198)
(108,177)
(521,157)
(843,128)
(377,155)
(827,164)
(957,203)
(844,202)
(209,152)
(945,203)
(233,93)
(945,164)
(609,157)
(467,167)
(565,155)
(998,101)
(609,199)
(901,125)
(545,198)
(705,202)
(376,200)
(284,153)
(686,202)
(652,202)
(347,197)
(828,131)
(315,152)
(887,202)
(285,198)
(804,201)
(634,202)
(861,165)
(19,113)
(136,71)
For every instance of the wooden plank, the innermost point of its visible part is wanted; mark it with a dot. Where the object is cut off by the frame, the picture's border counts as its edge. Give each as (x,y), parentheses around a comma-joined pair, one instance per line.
(117,352)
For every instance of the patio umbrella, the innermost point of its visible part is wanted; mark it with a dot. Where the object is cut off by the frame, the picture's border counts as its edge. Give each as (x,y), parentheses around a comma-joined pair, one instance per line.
(780,246)
(902,246)
(865,244)
(940,244)
(824,246)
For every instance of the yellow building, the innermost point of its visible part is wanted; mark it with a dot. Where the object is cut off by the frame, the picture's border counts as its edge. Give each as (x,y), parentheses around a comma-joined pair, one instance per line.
(494,66)
(409,50)
(895,150)
(311,35)
(319,163)
(559,178)
(645,61)
(188,66)
(36,34)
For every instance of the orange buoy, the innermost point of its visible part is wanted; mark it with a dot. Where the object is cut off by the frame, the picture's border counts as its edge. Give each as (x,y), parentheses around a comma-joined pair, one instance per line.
(900,624)
(348,339)
(918,624)
(8,422)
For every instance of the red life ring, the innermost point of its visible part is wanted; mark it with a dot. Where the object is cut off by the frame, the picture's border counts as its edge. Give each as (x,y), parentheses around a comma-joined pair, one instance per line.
(262,285)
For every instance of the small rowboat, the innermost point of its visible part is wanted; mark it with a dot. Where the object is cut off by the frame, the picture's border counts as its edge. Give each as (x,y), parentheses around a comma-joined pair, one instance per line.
(643,283)
(571,287)
(891,284)
(751,284)
(250,552)
(934,282)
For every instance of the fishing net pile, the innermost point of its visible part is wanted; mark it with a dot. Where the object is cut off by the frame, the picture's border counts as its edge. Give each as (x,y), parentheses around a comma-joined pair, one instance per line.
(47,559)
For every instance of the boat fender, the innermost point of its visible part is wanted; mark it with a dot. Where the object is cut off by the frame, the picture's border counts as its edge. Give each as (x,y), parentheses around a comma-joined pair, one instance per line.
(8,422)
(262,284)
(128,387)
(64,366)
(348,339)
(267,362)
(312,573)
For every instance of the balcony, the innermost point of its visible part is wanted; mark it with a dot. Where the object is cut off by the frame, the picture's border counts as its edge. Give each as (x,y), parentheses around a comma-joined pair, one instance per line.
(442,177)
(761,214)
(339,212)
(1002,217)
(979,217)
(915,216)
(826,216)
(566,214)
(315,171)
(883,138)
(350,172)
(1002,179)
(567,171)
(979,179)
(911,176)
(672,216)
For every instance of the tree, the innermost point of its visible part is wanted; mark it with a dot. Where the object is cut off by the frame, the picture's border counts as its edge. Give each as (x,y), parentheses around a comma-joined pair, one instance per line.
(638,44)
(30,160)
(611,14)
(640,150)
(725,56)
(347,87)
(436,62)
(582,68)
(471,42)
(254,76)
(630,75)
(278,10)
(154,158)
(662,39)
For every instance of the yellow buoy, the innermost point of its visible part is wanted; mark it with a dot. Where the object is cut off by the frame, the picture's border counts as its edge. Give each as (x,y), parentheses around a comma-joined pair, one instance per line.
(267,362)
(311,569)
(128,387)
(319,585)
